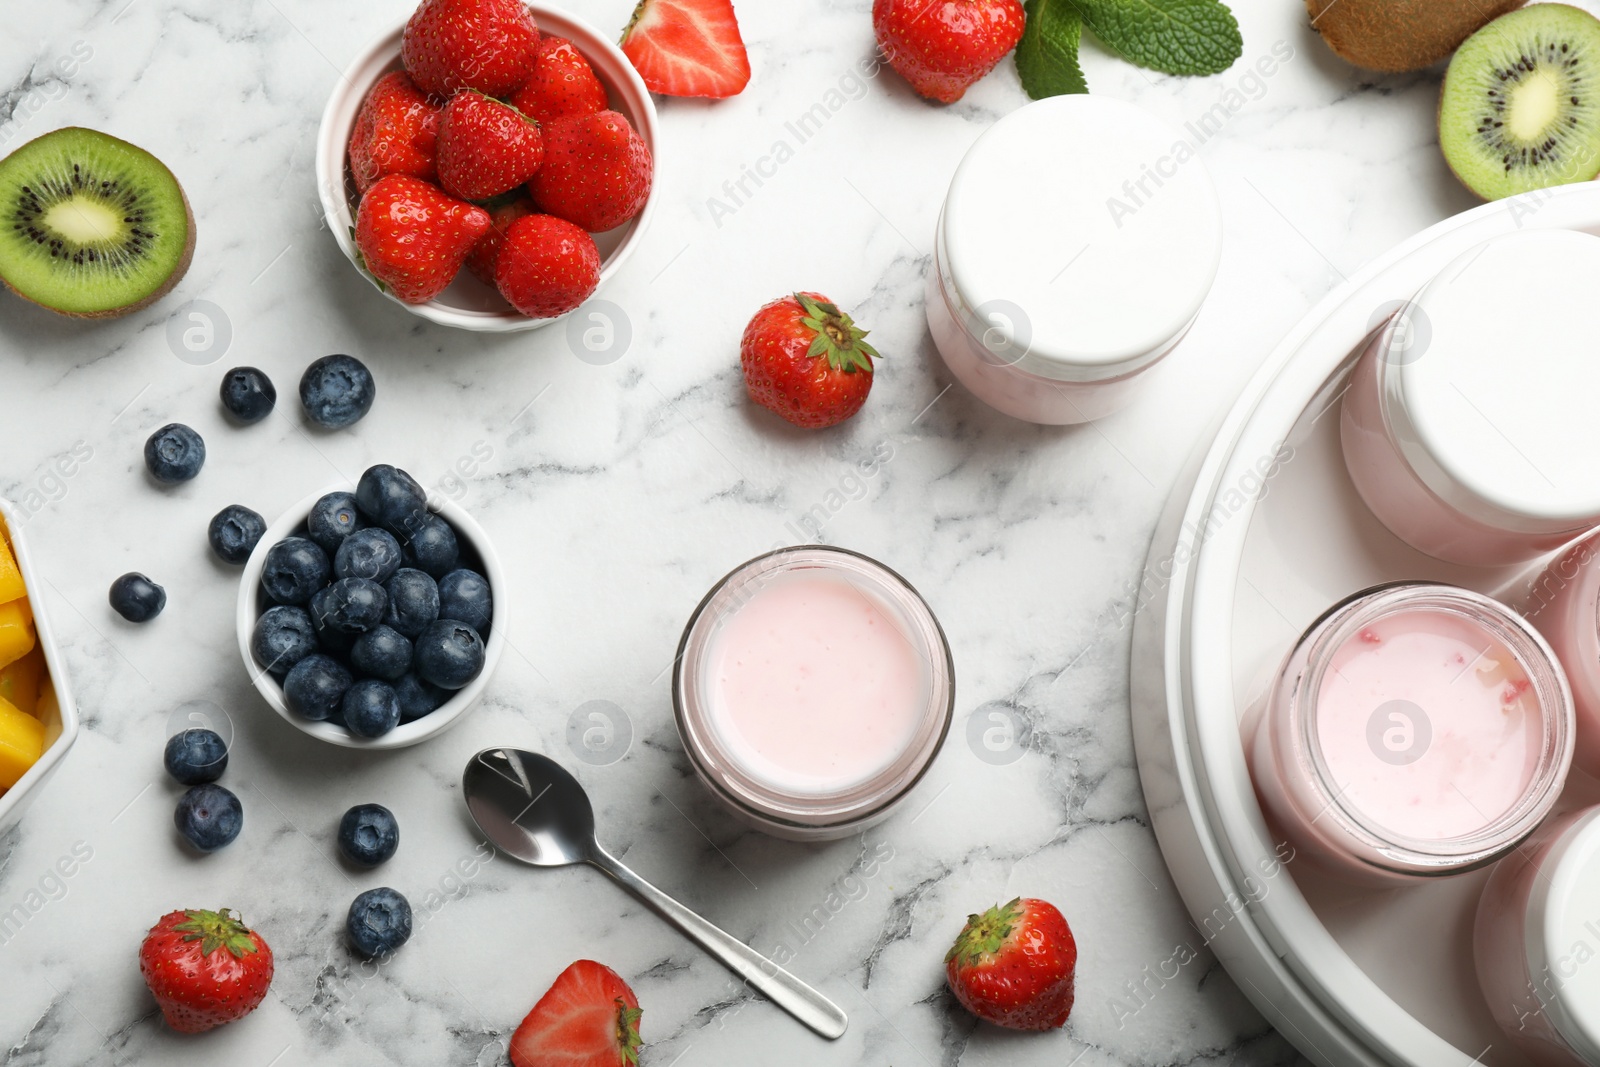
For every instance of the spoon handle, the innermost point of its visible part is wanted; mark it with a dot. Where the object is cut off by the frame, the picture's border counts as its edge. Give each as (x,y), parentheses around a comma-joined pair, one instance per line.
(778,985)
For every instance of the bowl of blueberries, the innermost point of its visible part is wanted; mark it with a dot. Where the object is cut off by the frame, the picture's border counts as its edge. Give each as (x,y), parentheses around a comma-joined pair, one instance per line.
(368,617)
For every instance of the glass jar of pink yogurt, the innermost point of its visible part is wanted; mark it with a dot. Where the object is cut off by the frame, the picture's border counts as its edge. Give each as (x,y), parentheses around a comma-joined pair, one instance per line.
(1415,730)
(1536,939)
(813,689)
(1564,603)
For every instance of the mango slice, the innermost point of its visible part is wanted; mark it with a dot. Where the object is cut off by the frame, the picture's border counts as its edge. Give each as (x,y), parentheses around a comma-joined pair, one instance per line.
(16,631)
(11,586)
(19,682)
(21,743)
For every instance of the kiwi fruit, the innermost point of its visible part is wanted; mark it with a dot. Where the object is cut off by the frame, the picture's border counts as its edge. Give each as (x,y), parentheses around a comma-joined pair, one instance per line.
(1520,108)
(94,227)
(1400,35)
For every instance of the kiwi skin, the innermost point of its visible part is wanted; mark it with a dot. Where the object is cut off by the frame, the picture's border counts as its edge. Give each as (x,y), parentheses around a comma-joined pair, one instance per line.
(172,280)
(1395,36)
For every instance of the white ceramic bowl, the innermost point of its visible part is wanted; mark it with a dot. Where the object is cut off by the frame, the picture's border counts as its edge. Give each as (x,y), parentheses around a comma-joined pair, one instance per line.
(60,731)
(251,605)
(468,304)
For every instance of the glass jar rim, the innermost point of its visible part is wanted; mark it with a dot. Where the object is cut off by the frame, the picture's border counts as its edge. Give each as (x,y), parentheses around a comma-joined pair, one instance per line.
(737,784)
(1343,622)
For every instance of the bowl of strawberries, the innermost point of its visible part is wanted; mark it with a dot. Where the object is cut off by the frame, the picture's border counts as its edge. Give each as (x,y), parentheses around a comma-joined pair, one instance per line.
(488,164)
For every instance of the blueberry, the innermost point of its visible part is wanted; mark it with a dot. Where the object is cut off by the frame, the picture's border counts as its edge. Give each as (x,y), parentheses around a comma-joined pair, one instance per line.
(174,453)
(392,498)
(209,816)
(382,652)
(371,708)
(368,834)
(248,394)
(379,922)
(315,687)
(413,601)
(196,756)
(283,637)
(464,596)
(295,569)
(234,532)
(337,391)
(371,553)
(418,698)
(449,654)
(332,519)
(432,547)
(136,598)
(350,606)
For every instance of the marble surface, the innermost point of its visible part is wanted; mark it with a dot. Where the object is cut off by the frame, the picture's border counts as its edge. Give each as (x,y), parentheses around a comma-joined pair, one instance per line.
(618,489)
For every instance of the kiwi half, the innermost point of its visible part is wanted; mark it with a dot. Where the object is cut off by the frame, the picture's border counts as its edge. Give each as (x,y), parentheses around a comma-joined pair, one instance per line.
(1400,35)
(94,227)
(1520,109)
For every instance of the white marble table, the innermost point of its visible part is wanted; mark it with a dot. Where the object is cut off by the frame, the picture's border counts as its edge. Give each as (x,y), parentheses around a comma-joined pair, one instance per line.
(617,493)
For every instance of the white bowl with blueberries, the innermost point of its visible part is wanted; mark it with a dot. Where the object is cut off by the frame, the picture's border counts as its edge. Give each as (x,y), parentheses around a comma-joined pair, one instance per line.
(368,615)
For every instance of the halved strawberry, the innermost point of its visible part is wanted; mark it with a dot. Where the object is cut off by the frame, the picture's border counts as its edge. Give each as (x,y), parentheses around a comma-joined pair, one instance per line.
(588,1018)
(562,85)
(687,47)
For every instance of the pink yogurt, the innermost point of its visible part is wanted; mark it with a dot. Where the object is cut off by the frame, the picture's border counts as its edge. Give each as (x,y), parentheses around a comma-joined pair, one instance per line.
(815,686)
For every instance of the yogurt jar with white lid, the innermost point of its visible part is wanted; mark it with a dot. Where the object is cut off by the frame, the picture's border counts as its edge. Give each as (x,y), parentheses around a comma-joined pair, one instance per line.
(1469,425)
(1078,241)
(1536,939)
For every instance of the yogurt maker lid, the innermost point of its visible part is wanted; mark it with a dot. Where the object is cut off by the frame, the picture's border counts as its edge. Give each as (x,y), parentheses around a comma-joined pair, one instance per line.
(1490,388)
(1563,934)
(1087,225)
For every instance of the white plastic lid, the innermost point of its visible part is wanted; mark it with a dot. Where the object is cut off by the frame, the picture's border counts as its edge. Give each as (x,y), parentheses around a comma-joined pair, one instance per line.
(1563,933)
(1093,218)
(1492,398)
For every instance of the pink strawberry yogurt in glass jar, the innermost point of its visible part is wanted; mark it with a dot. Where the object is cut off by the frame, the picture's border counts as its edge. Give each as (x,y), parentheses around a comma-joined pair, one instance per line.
(1079,239)
(1468,426)
(813,689)
(1415,730)
(1564,603)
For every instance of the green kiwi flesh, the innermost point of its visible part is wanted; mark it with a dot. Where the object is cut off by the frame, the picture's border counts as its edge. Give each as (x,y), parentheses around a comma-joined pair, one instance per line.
(1520,108)
(94,227)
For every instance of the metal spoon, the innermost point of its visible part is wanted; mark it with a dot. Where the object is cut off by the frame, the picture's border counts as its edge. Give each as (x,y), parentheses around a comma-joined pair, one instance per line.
(534,811)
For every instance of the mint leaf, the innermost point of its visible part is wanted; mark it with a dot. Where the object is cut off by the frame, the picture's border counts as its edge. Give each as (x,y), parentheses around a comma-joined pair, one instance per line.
(1047,55)
(1172,36)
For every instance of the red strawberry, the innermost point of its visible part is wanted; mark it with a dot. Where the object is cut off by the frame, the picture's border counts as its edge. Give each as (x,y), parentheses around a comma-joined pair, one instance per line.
(206,968)
(596,171)
(805,360)
(588,1018)
(687,47)
(562,85)
(395,132)
(942,46)
(486,147)
(486,253)
(1013,965)
(487,45)
(547,266)
(414,238)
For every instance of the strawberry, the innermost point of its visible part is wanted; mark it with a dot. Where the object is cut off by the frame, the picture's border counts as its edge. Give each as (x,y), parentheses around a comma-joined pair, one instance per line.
(547,266)
(562,85)
(588,1018)
(205,968)
(687,48)
(486,147)
(395,132)
(1013,965)
(805,360)
(413,238)
(596,171)
(942,46)
(486,253)
(487,45)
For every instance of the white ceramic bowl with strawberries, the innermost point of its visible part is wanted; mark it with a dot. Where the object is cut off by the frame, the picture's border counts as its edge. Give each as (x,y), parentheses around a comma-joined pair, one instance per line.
(468,303)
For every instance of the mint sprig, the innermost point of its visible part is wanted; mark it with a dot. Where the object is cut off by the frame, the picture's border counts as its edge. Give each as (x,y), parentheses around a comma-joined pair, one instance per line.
(1186,37)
